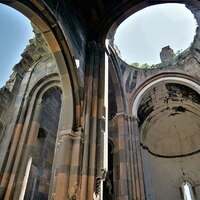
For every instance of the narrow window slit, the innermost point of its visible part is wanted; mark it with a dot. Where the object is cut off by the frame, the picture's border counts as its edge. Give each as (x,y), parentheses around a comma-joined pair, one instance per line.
(187,191)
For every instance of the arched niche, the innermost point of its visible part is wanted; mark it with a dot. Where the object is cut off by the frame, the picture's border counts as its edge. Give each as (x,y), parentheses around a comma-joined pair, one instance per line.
(37,112)
(42,155)
(168,110)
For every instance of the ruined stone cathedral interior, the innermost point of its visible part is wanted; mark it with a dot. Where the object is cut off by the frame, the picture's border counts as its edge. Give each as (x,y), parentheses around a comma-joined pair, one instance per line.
(78,123)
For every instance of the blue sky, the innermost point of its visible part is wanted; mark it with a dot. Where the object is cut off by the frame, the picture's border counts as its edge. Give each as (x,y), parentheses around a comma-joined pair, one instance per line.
(141,37)
(15,32)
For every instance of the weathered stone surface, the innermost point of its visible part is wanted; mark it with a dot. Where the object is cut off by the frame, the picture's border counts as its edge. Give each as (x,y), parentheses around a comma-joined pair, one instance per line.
(167,55)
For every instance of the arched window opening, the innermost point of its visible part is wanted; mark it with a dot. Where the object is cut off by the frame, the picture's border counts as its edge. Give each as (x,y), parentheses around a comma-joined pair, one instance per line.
(187,191)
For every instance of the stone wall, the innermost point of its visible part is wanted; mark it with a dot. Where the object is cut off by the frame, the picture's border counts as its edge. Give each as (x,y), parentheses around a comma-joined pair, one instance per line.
(40,173)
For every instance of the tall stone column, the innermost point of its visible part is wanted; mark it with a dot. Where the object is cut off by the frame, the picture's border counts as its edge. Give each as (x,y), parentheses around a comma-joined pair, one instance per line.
(10,158)
(121,172)
(129,178)
(28,147)
(137,159)
(74,177)
(65,175)
(66,166)
(14,126)
(24,152)
(93,148)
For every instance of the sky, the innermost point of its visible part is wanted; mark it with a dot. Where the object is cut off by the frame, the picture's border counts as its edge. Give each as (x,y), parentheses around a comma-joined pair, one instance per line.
(141,37)
(15,32)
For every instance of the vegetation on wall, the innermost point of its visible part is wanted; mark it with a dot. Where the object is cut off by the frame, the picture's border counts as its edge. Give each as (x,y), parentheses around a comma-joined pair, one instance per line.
(142,66)
(178,56)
